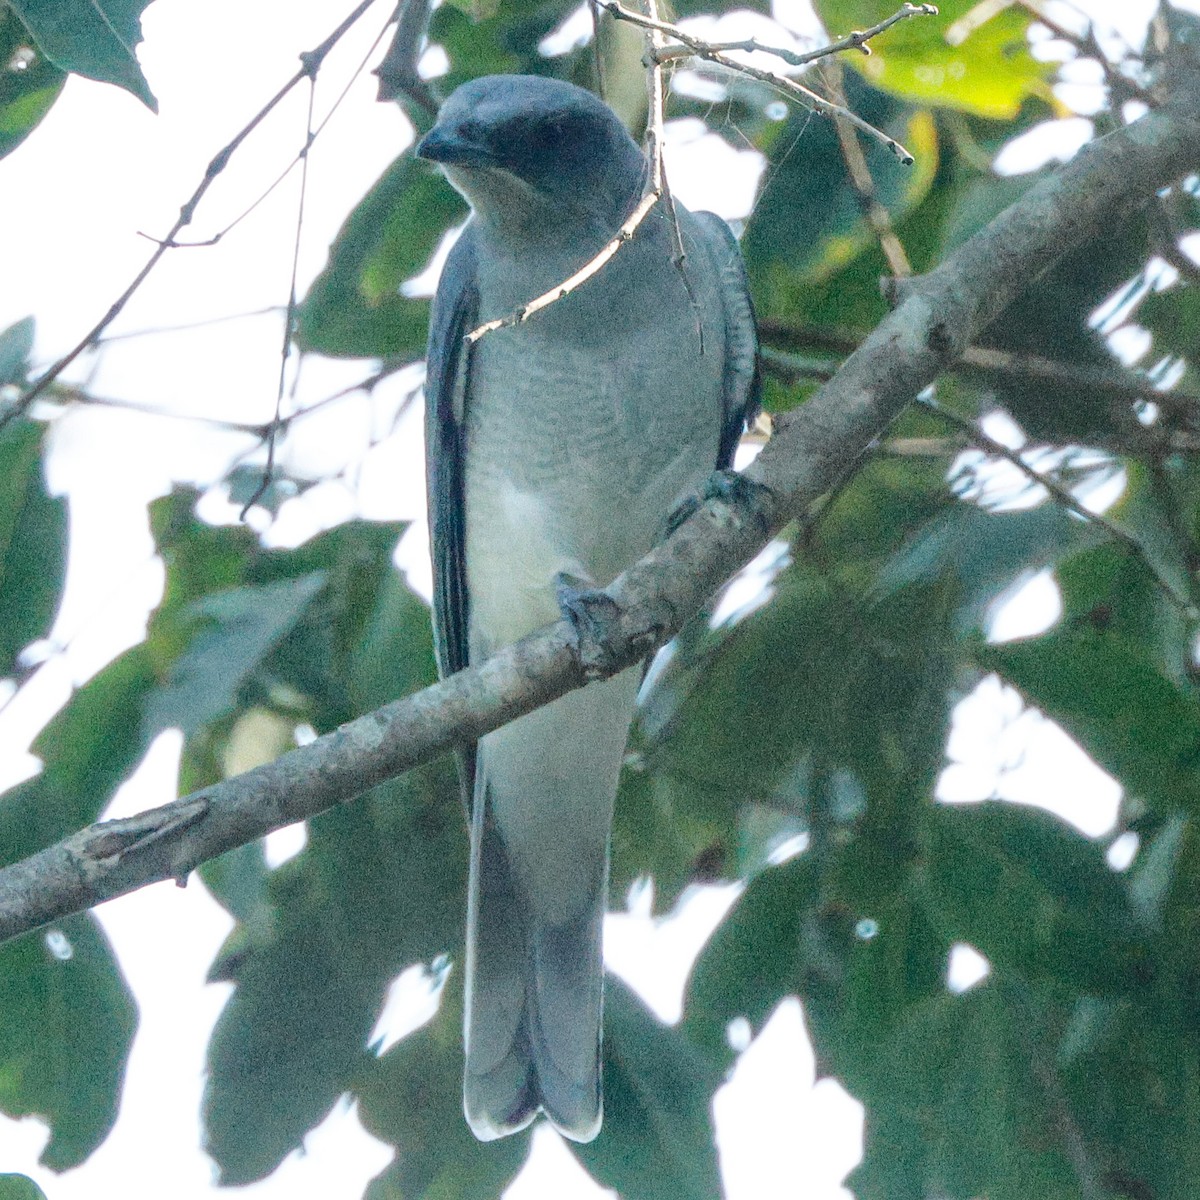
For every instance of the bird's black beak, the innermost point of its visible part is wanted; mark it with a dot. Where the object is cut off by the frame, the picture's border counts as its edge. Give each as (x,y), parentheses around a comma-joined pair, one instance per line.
(441,145)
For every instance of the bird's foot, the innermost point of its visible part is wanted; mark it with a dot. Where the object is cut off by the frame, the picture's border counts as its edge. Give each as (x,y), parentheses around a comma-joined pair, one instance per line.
(595,617)
(741,496)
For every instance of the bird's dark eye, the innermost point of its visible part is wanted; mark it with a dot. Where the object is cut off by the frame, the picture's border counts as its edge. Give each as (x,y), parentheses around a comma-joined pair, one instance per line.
(538,149)
(472,131)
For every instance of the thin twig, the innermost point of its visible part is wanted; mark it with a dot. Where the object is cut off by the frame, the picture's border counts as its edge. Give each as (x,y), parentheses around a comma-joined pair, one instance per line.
(310,63)
(519,316)
(692,45)
(656,139)
(269,310)
(1115,381)
(67,395)
(597,52)
(713,52)
(656,189)
(289,320)
(1064,497)
(1087,45)
(876,214)
(300,158)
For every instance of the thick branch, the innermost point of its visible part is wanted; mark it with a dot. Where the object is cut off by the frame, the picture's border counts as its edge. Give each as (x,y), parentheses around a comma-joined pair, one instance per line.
(813,448)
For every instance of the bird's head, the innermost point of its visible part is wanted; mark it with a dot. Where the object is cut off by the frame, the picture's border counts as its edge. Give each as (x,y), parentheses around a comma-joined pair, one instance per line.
(527,151)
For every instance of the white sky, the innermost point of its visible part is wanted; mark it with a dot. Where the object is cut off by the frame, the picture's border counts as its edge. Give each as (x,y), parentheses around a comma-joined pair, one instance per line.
(100,168)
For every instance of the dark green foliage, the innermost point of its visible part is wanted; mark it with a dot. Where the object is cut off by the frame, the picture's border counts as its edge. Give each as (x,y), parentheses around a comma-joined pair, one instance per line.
(29,85)
(19,1187)
(411,1096)
(33,537)
(796,748)
(96,38)
(355,308)
(68,1023)
(657,1136)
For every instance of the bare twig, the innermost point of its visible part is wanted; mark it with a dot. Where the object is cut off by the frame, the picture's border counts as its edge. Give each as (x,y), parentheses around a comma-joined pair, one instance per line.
(1087,45)
(1066,498)
(657,187)
(559,291)
(876,214)
(597,52)
(692,46)
(655,143)
(713,52)
(289,320)
(301,158)
(187,326)
(310,63)
(1115,381)
(67,395)
(814,447)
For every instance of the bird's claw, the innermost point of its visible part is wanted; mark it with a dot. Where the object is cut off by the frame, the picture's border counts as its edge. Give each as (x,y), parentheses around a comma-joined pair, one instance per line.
(740,495)
(595,618)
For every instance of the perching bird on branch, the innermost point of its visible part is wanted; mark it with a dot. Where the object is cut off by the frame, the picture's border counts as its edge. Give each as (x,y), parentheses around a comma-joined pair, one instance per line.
(557,449)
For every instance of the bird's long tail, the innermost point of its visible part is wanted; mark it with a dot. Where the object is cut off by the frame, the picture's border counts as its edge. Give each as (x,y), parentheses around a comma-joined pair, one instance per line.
(539,875)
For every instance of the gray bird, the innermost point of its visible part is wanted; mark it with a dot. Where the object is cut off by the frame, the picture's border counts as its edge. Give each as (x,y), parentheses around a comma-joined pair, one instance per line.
(556,452)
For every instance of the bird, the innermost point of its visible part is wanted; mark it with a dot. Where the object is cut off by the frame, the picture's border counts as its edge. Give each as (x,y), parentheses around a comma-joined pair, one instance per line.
(557,449)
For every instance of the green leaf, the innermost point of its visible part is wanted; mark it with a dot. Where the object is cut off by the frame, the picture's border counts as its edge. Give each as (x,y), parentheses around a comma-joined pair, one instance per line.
(809,219)
(1135,1096)
(237,630)
(29,85)
(33,542)
(354,308)
(858,961)
(87,750)
(69,1019)
(16,345)
(984,68)
(1106,690)
(755,957)
(477,10)
(657,1139)
(412,1099)
(1173,316)
(379,887)
(19,1187)
(1152,587)
(990,552)
(956,1106)
(1032,895)
(818,704)
(95,38)
(504,41)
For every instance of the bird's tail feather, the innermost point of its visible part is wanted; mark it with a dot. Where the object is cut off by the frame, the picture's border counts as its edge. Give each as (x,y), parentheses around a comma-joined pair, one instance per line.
(533,1001)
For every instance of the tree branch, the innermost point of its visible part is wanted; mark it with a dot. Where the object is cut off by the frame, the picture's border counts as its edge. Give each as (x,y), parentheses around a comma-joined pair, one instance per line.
(813,448)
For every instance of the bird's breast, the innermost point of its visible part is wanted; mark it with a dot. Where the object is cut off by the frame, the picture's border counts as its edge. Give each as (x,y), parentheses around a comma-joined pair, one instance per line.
(579,443)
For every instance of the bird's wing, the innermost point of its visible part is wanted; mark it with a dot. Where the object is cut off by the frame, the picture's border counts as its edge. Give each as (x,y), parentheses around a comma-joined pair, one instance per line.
(743,385)
(447,363)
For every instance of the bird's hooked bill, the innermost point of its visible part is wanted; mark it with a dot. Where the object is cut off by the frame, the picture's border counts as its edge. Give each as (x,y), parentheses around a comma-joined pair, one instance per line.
(441,145)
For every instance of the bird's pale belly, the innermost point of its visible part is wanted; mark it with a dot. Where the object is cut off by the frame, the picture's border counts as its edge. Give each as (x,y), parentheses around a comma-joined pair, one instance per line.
(566,476)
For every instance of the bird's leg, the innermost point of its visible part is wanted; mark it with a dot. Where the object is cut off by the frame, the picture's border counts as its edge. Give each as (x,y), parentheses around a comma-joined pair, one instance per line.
(595,617)
(739,495)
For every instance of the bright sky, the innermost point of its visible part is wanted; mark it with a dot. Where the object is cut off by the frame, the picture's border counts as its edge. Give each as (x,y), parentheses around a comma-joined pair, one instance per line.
(100,169)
